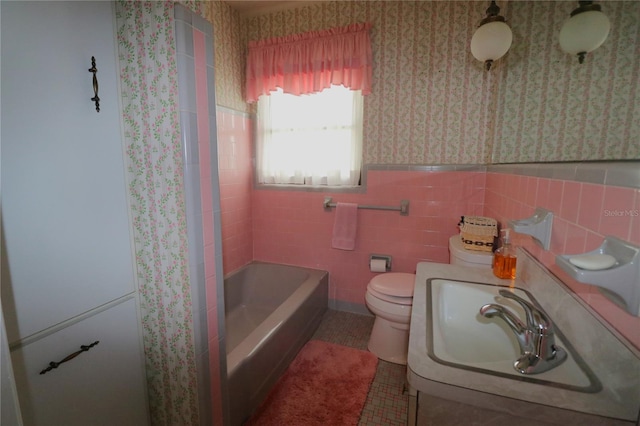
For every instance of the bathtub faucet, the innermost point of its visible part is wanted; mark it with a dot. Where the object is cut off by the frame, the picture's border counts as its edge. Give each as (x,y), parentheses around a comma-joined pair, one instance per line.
(536,338)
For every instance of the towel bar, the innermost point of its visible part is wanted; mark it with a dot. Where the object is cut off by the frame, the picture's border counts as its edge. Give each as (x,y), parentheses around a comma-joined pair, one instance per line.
(403,209)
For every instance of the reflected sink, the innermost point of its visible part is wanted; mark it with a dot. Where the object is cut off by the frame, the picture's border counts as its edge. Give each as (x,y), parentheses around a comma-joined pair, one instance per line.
(460,337)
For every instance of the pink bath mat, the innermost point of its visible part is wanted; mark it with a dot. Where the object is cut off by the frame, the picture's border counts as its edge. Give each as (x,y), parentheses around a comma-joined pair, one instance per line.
(326,384)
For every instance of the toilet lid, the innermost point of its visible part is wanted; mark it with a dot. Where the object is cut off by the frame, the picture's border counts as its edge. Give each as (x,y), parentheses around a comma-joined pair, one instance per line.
(399,284)
(456,248)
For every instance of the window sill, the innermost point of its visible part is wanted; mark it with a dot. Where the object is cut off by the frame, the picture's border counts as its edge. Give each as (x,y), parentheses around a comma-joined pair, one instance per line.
(310,188)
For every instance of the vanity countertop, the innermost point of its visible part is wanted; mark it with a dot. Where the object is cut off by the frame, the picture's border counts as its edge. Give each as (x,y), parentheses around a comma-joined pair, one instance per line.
(615,365)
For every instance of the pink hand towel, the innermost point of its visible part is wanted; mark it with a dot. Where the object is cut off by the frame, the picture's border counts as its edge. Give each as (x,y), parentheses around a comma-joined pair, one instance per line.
(344,226)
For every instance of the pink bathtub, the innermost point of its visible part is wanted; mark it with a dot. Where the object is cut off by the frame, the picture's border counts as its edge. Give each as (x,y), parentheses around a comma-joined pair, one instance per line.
(271,311)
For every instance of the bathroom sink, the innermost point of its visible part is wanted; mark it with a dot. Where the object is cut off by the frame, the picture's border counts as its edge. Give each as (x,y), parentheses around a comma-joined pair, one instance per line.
(461,337)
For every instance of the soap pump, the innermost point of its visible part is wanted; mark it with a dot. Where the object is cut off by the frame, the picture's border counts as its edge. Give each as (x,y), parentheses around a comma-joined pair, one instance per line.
(504,258)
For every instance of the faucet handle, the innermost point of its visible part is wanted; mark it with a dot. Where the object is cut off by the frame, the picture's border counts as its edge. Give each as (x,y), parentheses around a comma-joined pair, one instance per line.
(536,319)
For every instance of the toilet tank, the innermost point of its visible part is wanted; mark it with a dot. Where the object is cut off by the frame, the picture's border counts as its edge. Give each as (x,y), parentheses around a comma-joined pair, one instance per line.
(460,256)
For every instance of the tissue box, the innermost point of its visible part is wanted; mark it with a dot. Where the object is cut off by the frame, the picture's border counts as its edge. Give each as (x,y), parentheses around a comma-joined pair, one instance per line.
(478,232)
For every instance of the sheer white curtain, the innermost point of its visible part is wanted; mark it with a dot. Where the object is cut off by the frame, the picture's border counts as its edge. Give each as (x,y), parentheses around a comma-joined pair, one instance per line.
(310,139)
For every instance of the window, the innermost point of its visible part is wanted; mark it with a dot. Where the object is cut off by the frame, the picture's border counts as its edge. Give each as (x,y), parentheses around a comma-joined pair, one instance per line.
(313,139)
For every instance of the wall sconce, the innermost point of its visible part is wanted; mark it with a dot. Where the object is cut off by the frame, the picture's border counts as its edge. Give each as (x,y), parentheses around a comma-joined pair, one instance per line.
(492,39)
(585,30)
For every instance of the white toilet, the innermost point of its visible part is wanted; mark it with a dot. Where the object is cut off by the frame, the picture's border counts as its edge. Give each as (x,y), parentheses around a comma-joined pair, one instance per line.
(390,297)
(458,255)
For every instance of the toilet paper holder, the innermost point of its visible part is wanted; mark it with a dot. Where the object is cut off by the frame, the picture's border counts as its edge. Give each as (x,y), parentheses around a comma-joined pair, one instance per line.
(385,257)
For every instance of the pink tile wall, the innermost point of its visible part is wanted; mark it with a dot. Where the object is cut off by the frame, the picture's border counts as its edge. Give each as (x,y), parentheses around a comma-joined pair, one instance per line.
(584,214)
(236,182)
(292,227)
(204,153)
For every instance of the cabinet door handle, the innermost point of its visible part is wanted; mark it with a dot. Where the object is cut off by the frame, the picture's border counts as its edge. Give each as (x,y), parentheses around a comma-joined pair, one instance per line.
(83,348)
(94,70)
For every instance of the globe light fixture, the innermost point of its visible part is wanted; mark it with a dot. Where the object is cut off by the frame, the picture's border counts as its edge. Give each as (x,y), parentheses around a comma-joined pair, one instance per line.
(585,30)
(492,39)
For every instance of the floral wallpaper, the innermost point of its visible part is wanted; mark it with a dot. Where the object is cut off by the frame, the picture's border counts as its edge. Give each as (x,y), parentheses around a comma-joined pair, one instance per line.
(230,53)
(434,104)
(146,47)
(200,7)
(551,108)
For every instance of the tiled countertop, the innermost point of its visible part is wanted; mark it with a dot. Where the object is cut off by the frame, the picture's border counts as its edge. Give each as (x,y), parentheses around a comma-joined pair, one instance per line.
(615,365)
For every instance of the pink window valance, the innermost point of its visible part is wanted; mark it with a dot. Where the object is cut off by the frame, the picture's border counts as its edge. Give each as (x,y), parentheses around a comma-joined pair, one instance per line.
(310,62)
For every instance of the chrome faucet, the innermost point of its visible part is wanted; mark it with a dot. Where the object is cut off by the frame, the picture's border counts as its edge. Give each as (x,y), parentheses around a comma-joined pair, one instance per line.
(536,338)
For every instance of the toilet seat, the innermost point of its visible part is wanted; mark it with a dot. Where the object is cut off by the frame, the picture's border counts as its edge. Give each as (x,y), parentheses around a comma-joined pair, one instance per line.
(391,299)
(398,284)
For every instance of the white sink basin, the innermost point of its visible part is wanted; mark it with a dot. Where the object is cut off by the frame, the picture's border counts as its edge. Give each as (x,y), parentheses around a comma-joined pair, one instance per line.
(462,338)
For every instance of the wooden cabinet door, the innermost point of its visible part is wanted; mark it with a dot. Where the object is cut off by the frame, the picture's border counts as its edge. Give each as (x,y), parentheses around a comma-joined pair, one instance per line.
(101,386)
(67,245)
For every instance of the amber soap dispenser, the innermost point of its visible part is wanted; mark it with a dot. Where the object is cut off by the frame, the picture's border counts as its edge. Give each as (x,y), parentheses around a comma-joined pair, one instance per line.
(504,258)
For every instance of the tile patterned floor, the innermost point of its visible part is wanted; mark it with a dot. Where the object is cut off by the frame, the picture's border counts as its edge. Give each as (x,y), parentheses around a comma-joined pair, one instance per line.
(387,400)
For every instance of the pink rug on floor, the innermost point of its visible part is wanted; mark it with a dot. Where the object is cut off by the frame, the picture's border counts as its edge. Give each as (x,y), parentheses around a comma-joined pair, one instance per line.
(326,384)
